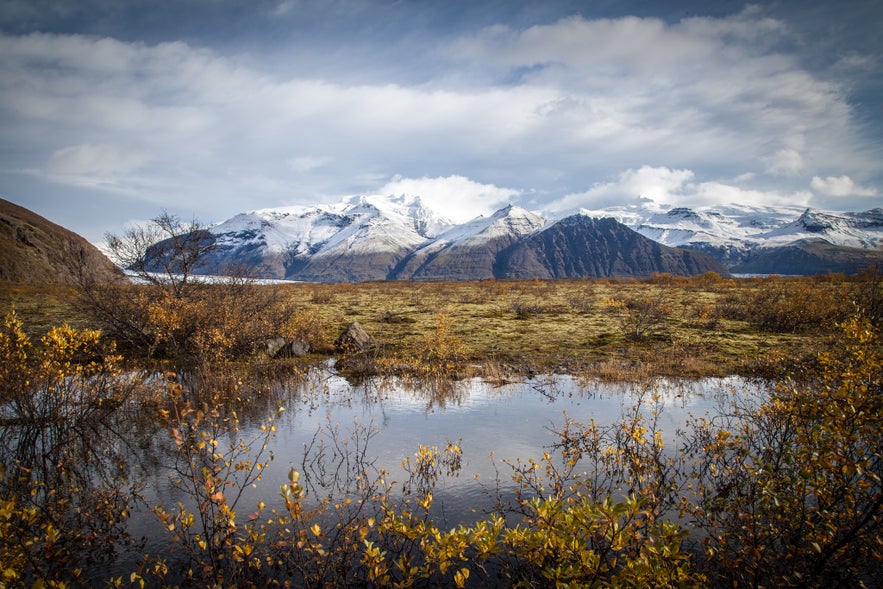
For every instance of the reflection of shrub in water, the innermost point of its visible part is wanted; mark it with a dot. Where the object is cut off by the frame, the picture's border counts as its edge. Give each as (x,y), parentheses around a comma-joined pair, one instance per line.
(64,456)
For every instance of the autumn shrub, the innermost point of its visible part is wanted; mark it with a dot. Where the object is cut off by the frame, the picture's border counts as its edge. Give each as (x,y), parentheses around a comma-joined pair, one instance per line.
(866,294)
(789,488)
(213,466)
(64,487)
(785,305)
(527,308)
(437,354)
(172,313)
(209,322)
(640,314)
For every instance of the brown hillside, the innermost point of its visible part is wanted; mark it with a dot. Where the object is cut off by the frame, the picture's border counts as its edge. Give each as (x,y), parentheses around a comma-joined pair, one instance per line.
(33,249)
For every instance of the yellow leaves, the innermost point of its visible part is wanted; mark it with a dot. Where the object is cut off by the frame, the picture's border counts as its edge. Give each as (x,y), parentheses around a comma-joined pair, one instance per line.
(426,501)
(611,303)
(460,577)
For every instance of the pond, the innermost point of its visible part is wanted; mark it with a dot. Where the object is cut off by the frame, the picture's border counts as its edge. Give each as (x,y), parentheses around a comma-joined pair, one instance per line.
(378,425)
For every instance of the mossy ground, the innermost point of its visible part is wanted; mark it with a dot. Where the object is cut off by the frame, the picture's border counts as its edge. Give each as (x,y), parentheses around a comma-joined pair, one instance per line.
(603,328)
(575,326)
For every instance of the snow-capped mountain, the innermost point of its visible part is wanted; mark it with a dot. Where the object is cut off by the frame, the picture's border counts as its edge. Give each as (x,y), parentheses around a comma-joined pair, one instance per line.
(857,230)
(469,251)
(306,230)
(399,237)
(310,241)
(738,234)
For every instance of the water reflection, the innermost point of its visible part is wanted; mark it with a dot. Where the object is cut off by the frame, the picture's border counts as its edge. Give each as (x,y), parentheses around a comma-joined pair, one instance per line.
(386,421)
(344,437)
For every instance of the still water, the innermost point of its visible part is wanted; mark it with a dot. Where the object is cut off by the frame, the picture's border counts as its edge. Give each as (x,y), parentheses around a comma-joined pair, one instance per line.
(493,423)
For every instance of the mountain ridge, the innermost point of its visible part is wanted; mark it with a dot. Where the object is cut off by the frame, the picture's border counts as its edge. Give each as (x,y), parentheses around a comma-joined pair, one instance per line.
(399,238)
(763,239)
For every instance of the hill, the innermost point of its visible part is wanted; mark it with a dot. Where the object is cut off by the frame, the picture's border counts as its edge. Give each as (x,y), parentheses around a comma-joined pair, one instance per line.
(33,249)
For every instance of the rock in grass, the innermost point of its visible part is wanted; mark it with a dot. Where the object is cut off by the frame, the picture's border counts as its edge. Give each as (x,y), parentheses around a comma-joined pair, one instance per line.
(354,339)
(278,347)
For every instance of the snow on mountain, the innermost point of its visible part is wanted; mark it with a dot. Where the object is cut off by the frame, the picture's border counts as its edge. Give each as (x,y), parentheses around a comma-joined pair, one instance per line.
(745,227)
(859,230)
(731,226)
(509,221)
(469,251)
(362,222)
(379,237)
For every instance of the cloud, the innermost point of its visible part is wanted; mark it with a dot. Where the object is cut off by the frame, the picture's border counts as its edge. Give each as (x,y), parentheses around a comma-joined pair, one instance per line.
(459,199)
(547,110)
(785,162)
(103,160)
(632,187)
(840,186)
(663,188)
(701,90)
(308,163)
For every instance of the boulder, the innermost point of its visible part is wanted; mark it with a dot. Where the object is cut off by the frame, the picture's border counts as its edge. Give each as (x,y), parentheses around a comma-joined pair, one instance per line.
(278,347)
(293,349)
(354,339)
(272,346)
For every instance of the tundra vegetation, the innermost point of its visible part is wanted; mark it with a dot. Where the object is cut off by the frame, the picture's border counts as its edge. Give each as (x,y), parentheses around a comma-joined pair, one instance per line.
(777,489)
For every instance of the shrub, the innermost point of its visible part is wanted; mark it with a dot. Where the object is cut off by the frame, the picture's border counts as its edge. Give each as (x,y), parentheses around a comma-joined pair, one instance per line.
(172,313)
(783,305)
(790,490)
(641,315)
(64,492)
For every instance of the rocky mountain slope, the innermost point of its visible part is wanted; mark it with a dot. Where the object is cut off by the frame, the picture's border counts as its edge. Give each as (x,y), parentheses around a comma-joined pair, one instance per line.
(766,239)
(471,251)
(33,249)
(580,245)
(399,238)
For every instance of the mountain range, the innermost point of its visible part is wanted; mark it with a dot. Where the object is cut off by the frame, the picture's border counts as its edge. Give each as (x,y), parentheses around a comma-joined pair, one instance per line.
(767,240)
(400,238)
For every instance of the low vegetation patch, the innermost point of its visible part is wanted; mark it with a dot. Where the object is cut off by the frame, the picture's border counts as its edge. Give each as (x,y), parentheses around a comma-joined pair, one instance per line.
(718,326)
(778,489)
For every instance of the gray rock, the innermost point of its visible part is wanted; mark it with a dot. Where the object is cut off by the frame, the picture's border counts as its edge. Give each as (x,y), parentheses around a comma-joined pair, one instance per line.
(272,346)
(278,347)
(293,349)
(354,339)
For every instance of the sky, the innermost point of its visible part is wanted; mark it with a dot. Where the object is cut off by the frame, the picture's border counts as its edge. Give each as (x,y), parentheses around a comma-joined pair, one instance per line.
(113,111)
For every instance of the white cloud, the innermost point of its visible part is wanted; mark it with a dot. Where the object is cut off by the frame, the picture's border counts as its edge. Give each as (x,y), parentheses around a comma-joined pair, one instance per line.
(658,185)
(459,199)
(701,90)
(840,186)
(548,110)
(785,162)
(103,160)
(663,187)
(308,163)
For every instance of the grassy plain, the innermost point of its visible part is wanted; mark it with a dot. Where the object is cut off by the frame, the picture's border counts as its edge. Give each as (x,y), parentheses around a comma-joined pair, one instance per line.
(613,329)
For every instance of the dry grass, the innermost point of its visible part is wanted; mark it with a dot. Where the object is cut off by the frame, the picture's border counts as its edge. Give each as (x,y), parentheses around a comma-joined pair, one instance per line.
(576,326)
(41,306)
(696,327)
